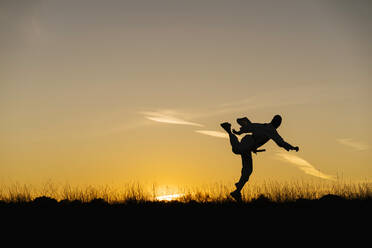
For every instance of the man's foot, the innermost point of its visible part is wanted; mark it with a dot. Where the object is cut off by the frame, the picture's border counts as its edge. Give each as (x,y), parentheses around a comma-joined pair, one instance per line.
(236,195)
(226,126)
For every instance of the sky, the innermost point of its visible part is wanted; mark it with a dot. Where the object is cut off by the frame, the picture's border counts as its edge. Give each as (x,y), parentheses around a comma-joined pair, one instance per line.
(100,92)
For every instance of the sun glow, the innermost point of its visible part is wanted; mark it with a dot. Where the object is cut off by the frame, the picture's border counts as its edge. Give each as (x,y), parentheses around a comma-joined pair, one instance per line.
(169,197)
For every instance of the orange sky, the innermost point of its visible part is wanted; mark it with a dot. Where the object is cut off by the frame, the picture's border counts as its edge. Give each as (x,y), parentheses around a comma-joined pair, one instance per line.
(113,91)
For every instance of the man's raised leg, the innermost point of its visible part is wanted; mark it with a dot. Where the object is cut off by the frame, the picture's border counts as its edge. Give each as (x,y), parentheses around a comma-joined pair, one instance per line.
(235,144)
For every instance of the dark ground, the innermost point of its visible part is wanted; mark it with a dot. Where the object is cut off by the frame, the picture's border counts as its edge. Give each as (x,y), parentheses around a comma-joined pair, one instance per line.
(309,219)
(329,205)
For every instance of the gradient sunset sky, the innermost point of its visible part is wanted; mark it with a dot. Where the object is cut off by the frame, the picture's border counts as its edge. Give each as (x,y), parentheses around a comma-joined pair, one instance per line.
(103,92)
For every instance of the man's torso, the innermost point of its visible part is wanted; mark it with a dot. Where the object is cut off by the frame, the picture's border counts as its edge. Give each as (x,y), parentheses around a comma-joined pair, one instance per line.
(261,133)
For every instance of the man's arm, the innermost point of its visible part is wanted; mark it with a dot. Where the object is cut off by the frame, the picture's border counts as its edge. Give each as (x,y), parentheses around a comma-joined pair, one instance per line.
(243,129)
(245,126)
(280,142)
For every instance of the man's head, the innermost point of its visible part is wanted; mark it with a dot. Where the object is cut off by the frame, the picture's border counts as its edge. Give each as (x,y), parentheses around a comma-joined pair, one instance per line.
(276,121)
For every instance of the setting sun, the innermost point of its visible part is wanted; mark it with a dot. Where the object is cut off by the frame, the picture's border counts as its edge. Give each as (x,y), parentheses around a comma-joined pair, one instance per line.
(169,197)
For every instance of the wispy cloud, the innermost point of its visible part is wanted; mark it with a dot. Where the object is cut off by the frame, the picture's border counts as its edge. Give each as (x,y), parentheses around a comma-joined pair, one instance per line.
(213,133)
(303,165)
(357,145)
(168,117)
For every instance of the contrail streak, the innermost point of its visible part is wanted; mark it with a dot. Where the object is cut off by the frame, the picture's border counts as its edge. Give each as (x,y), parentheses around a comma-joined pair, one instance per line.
(303,165)
(167,118)
(213,133)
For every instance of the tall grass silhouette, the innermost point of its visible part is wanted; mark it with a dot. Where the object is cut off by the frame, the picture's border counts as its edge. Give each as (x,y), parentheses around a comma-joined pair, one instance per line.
(215,192)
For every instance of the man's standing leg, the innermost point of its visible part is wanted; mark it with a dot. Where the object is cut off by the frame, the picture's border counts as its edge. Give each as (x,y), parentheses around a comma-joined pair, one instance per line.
(247,168)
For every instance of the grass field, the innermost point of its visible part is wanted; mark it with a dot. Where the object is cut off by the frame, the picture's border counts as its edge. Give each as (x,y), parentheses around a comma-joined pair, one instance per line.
(277,192)
(268,208)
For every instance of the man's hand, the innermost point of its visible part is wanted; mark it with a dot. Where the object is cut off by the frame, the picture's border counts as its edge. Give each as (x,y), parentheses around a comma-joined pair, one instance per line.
(236,132)
(292,148)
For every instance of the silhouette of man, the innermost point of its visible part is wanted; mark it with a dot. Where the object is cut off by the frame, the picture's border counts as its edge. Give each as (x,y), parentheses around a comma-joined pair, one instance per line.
(261,133)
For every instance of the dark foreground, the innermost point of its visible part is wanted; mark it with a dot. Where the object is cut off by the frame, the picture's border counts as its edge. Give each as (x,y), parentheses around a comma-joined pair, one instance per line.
(331,206)
(329,219)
